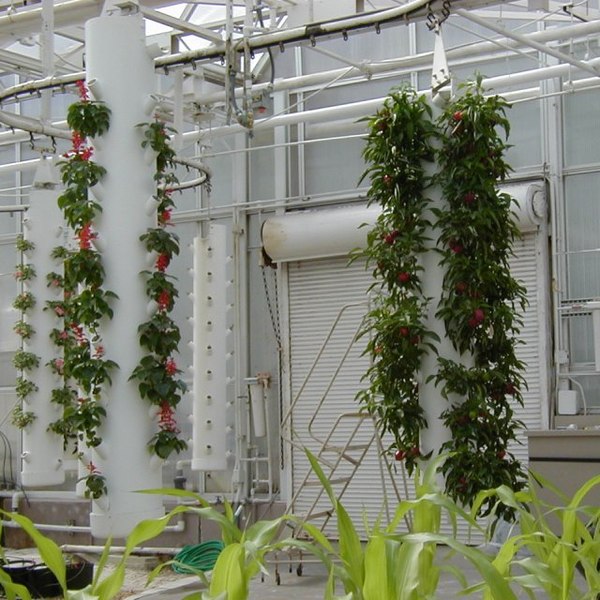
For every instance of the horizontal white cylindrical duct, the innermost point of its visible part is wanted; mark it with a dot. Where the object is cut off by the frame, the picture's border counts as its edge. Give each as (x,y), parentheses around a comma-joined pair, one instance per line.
(210,352)
(305,235)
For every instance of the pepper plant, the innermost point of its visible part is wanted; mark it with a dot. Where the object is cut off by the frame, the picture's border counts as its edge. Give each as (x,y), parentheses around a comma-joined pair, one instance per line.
(84,301)
(480,299)
(157,372)
(398,143)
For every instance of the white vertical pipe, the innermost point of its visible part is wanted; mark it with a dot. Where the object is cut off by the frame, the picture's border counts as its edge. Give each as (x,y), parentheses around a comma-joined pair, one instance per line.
(118,61)
(257,407)
(47,54)
(42,449)
(210,352)
(430,397)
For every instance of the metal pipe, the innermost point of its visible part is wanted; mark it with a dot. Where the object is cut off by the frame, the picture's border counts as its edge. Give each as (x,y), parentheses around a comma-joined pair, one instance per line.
(526,41)
(365,107)
(140,551)
(407,62)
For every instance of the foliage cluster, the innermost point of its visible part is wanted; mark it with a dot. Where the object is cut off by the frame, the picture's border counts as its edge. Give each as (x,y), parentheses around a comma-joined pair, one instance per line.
(398,144)
(157,372)
(480,299)
(83,302)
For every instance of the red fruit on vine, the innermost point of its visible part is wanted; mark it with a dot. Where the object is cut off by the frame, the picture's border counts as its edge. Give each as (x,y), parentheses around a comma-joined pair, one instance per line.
(404,277)
(400,455)
(479,314)
(457,116)
(390,238)
(388,180)
(456,247)
(510,388)
(414,451)
(404,331)
(460,287)
(469,198)
(501,454)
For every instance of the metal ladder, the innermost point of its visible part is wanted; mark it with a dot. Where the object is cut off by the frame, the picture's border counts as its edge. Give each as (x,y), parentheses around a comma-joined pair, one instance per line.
(339,461)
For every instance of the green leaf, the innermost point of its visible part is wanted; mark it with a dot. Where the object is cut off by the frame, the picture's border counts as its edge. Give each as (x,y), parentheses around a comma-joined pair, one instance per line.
(229,573)
(50,553)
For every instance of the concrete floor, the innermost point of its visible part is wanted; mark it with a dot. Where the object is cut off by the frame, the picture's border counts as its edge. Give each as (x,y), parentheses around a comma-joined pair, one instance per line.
(309,586)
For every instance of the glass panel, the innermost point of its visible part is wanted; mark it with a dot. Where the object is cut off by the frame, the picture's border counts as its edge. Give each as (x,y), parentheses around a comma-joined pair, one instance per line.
(582,128)
(582,193)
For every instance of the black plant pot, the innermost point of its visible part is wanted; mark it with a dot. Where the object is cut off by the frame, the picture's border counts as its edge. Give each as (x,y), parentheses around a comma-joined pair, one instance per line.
(42,583)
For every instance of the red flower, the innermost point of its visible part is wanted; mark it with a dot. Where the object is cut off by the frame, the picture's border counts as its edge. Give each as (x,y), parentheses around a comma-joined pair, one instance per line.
(404,331)
(85,236)
(59,311)
(404,277)
(63,335)
(86,153)
(166,418)
(83,91)
(99,352)
(77,140)
(457,116)
(59,364)
(165,216)
(170,367)
(162,262)
(92,468)
(164,300)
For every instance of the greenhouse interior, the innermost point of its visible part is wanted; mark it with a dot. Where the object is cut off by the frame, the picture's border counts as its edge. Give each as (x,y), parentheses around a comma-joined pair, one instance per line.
(273,253)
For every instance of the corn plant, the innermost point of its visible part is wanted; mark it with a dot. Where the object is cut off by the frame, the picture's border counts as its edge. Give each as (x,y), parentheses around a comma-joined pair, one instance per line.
(392,565)
(558,542)
(52,556)
(243,556)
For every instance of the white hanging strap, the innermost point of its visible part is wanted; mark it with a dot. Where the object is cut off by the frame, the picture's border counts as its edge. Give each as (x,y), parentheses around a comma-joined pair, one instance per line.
(440,73)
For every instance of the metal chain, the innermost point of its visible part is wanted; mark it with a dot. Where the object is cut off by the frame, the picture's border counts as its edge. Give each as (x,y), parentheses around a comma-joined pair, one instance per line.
(274,314)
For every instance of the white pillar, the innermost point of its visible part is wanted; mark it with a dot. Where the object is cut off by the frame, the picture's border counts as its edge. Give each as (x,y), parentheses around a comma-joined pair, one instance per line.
(210,353)
(120,72)
(42,449)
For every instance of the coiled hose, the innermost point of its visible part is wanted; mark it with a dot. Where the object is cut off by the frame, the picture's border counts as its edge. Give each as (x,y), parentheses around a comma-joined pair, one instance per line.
(197,557)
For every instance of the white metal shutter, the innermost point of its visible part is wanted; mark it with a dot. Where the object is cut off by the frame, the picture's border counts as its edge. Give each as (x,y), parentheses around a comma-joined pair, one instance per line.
(318,290)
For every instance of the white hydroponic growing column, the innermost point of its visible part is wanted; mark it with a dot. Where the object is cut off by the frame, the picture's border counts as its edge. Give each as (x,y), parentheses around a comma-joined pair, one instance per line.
(120,72)
(42,450)
(210,353)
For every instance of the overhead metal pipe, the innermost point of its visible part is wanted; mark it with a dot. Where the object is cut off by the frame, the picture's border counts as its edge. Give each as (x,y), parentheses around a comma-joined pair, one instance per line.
(367,107)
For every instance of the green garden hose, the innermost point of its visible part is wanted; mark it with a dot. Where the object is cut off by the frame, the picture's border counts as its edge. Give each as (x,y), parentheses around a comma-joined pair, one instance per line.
(197,557)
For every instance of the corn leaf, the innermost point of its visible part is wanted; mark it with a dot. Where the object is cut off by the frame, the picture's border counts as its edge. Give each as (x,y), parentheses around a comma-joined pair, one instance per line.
(50,553)
(229,574)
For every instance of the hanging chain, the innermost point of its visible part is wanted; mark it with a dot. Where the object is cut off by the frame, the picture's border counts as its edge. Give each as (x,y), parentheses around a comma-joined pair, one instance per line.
(273,312)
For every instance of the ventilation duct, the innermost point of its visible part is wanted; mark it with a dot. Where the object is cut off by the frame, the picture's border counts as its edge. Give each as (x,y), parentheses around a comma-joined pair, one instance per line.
(312,234)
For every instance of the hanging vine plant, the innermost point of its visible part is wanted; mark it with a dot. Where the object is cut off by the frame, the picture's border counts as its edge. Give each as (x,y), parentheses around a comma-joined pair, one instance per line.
(480,300)
(23,360)
(398,144)
(82,369)
(157,372)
